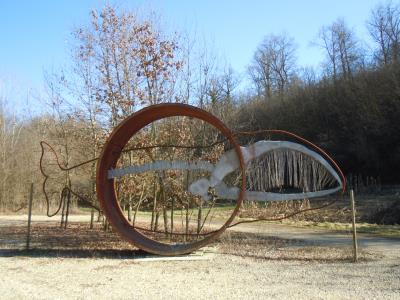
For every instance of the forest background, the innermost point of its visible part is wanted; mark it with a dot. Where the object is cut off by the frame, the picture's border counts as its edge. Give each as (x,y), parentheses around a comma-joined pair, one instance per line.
(123,60)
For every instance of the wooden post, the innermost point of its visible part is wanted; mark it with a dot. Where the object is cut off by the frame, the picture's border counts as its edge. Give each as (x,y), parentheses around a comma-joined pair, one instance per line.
(91,218)
(172,215)
(92,210)
(63,209)
(199,218)
(67,210)
(353,209)
(28,237)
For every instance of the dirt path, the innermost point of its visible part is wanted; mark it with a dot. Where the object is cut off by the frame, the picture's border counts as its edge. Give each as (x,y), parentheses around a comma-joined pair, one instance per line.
(321,237)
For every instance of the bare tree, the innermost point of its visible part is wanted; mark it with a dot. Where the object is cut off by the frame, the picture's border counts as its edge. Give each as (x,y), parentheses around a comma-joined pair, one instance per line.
(329,44)
(120,62)
(10,131)
(229,82)
(344,53)
(273,65)
(124,62)
(384,28)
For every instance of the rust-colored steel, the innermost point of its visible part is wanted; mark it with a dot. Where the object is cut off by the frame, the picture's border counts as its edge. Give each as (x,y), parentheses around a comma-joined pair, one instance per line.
(109,157)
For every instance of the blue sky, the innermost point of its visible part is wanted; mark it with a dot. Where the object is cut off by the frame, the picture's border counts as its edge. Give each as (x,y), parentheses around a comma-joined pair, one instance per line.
(35,35)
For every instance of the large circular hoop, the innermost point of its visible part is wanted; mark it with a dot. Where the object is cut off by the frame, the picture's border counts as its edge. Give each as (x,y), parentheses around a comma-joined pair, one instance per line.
(105,187)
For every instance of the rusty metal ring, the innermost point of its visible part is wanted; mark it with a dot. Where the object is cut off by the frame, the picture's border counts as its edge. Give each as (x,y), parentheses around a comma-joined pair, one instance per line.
(111,153)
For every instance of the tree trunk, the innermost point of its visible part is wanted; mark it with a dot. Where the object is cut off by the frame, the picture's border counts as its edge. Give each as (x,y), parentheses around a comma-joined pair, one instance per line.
(153,213)
(130,209)
(138,206)
(156,221)
(199,217)
(187,222)
(172,215)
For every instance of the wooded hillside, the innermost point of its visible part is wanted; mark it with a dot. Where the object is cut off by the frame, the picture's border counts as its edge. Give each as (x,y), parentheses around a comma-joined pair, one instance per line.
(120,63)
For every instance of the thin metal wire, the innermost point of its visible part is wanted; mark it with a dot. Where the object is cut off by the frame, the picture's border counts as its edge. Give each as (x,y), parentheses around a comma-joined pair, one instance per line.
(65,188)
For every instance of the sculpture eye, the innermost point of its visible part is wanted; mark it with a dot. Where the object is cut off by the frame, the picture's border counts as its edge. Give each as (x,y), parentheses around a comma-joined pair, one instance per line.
(282,170)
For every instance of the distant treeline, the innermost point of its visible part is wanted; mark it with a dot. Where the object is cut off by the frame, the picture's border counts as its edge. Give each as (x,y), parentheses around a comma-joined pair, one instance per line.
(349,106)
(357,120)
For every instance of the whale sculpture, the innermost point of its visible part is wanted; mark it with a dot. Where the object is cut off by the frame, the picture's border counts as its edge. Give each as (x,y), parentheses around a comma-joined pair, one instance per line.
(227,164)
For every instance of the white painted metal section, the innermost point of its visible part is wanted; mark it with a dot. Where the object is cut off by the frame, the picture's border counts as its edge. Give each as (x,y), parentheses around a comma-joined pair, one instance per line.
(161,165)
(227,164)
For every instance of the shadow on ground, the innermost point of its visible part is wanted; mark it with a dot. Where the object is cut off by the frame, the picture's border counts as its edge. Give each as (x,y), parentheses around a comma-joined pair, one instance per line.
(74,253)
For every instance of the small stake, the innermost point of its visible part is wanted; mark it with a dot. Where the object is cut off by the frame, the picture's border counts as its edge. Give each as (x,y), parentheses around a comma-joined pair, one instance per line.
(91,218)
(353,209)
(67,211)
(62,210)
(28,237)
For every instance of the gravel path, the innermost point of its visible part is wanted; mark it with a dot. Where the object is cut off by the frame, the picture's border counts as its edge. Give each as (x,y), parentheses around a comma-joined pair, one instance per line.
(221,277)
(217,276)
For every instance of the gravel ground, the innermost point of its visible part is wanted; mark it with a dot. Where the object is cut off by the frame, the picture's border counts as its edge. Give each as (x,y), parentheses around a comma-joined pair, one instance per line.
(278,272)
(220,277)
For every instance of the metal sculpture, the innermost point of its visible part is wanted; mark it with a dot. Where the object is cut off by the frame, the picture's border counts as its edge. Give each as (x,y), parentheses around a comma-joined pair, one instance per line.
(111,153)
(226,178)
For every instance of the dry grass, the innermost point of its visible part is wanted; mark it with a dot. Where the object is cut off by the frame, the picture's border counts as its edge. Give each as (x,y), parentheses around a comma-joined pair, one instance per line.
(367,207)
(49,240)
(381,230)
(272,248)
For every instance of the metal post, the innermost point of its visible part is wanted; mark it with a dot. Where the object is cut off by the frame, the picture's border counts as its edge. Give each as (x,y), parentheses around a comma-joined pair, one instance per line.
(353,209)
(28,237)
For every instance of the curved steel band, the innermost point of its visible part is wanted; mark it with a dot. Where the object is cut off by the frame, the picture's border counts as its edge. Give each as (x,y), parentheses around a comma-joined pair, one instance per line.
(111,153)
